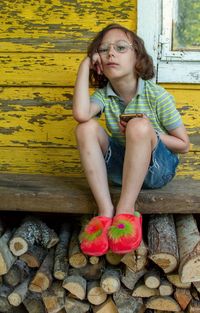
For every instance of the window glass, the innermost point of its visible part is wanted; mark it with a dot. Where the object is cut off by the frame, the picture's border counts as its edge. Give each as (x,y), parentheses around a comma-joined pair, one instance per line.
(186,25)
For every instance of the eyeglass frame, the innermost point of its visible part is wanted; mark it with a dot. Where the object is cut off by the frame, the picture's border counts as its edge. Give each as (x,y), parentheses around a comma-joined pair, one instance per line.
(108,45)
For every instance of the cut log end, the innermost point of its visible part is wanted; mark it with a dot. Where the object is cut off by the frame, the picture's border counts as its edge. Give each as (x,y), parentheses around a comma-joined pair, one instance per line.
(52,242)
(60,275)
(39,283)
(78,260)
(14,299)
(96,295)
(160,303)
(18,246)
(190,271)
(165,261)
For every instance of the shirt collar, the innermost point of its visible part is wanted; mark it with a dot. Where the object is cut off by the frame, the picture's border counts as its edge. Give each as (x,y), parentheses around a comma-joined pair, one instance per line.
(140,87)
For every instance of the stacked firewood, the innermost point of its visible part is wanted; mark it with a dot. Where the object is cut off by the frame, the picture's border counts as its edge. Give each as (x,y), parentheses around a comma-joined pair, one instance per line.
(45,271)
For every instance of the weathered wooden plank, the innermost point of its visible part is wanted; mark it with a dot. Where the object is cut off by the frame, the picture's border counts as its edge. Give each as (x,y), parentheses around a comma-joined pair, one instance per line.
(39,69)
(53,161)
(38,193)
(38,126)
(65,161)
(41,116)
(187,99)
(58,25)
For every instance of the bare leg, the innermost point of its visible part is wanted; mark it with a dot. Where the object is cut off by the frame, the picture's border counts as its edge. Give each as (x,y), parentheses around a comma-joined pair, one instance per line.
(140,141)
(93,143)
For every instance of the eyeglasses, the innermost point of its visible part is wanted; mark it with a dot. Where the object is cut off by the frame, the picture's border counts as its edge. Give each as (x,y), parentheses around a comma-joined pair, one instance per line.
(120,46)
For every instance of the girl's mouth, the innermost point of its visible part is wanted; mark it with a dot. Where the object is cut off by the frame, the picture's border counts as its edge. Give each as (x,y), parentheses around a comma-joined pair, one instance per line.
(111,64)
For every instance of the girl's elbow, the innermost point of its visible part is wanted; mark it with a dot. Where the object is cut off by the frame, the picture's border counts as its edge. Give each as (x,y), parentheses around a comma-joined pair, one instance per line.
(186,147)
(80,118)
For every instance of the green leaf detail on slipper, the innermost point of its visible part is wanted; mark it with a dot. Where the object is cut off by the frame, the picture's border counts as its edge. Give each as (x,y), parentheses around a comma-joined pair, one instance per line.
(122,228)
(137,214)
(92,231)
(90,237)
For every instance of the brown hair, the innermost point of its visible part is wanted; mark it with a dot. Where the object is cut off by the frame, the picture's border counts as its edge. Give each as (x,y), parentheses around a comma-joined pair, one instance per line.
(144,64)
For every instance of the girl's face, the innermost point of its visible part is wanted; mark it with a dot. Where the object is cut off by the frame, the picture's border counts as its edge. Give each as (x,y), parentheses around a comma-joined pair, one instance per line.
(117,55)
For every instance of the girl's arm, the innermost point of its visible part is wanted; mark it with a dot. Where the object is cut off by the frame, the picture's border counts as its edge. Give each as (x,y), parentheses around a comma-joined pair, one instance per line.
(83,110)
(177,140)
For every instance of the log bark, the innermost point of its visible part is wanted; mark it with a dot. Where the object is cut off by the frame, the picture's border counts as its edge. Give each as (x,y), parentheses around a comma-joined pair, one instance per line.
(76,306)
(89,272)
(32,231)
(7,259)
(194,293)
(183,297)
(113,258)
(54,297)
(61,261)
(34,304)
(92,272)
(197,285)
(136,260)
(19,309)
(43,278)
(110,281)
(130,278)
(76,258)
(160,303)
(34,256)
(107,307)
(17,273)
(189,248)
(162,242)
(18,295)
(1,228)
(5,306)
(95,293)
(76,285)
(194,306)
(126,303)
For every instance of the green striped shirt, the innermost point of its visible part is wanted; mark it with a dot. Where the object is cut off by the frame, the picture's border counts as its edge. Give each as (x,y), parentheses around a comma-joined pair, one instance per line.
(150,99)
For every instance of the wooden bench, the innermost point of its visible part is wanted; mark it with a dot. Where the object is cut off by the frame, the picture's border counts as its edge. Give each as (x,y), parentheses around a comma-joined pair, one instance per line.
(40,193)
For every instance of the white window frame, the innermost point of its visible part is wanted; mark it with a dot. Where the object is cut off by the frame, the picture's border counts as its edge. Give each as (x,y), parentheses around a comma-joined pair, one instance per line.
(155,27)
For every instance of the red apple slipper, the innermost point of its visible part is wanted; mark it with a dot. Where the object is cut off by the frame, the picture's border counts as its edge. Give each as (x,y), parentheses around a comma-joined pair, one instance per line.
(125,233)
(94,238)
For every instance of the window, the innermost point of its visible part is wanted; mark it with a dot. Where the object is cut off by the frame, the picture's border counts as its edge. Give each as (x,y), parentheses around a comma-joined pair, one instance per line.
(171,32)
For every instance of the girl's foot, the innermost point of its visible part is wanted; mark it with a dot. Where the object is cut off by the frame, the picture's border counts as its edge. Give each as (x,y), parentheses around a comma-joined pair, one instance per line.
(125,233)
(94,238)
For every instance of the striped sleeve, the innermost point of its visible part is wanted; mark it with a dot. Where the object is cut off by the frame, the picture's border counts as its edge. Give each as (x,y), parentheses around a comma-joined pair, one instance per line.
(98,98)
(166,109)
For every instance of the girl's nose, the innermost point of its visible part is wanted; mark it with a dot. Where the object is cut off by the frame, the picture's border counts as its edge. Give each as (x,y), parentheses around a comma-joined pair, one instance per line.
(111,50)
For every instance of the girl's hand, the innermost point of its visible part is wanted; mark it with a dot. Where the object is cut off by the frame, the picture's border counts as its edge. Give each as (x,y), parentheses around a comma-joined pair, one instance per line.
(122,126)
(96,64)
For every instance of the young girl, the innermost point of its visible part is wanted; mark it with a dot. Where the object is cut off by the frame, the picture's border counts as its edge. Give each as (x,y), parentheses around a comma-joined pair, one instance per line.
(140,153)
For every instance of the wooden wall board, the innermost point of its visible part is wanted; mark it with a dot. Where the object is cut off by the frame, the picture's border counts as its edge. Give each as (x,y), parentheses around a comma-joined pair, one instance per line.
(59,26)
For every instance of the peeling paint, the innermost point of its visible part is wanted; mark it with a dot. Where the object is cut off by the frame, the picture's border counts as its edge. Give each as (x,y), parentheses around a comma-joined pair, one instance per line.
(59,25)
(41,45)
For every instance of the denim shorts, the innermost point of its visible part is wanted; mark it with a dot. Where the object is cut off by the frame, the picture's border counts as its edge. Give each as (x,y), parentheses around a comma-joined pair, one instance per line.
(161,170)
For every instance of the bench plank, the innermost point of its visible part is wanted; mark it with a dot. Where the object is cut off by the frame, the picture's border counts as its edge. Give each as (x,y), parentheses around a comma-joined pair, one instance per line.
(39,193)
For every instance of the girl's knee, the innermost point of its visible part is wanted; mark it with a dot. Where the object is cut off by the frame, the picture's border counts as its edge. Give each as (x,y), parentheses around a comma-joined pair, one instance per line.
(139,128)
(83,129)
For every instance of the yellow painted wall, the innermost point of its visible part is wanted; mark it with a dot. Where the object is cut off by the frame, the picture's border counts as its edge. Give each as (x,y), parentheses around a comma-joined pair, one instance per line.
(41,45)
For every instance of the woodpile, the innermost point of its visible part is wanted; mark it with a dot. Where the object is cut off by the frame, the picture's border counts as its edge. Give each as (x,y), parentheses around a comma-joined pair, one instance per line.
(44,271)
